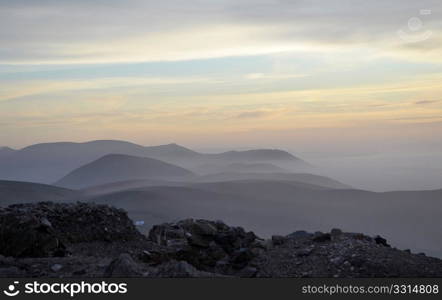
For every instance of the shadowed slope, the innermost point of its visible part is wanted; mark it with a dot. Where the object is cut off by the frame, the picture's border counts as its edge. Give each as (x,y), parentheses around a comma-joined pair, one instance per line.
(15,192)
(408,219)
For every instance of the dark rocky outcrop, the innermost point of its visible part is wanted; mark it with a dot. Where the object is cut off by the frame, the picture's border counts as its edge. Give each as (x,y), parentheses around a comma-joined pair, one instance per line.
(209,246)
(47,229)
(89,240)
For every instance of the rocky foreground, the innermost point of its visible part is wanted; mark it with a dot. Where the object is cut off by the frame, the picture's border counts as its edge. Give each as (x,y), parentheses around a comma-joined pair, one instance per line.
(88,240)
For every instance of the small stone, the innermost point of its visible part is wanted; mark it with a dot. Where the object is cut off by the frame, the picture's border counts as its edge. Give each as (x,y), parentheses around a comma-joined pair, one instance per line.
(336,232)
(146,256)
(10,272)
(299,234)
(322,237)
(123,266)
(46,222)
(336,260)
(381,241)
(304,252)
(56,267)
(248,272)
(80,272)
(278,240)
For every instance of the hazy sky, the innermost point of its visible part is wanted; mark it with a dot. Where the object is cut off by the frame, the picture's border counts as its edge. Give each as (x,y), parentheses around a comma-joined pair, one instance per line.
(355,75)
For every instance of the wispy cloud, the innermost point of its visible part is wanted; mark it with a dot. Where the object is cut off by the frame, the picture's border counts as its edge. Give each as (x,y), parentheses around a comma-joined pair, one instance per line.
(425,102)
(101,32)
(19,89)
(224,66)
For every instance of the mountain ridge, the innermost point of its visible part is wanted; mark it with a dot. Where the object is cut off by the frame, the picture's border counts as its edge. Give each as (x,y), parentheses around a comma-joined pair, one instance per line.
(118,167)
(48,162)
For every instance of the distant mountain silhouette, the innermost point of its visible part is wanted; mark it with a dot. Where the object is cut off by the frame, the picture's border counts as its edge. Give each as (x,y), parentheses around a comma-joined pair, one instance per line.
(120,167)
(48,162)
(171,151)
(294,179)
(239,167)
(113,187)
(255,155)
(312,179)
(6,151)
(14,192)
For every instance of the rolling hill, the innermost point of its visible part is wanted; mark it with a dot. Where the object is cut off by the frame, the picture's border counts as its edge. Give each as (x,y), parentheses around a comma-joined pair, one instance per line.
(294,179)
(238,167)
(312,179)
(48,162)
(119,167)
(255,155)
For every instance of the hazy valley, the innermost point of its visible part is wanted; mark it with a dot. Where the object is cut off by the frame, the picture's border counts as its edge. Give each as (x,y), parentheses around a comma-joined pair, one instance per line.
(267,191)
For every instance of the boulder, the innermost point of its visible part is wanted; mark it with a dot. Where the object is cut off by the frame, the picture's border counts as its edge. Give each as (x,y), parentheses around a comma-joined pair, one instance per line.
(47,229)
(381,241)
(207,245)
(321,237)
(278,240)
(180,269)
(123,266)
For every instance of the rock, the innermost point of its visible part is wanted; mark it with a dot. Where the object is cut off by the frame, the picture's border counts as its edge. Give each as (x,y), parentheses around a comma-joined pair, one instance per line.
(80,272)
(299,234)
(11,272)
(46,229)
(335,233)
(248,272)
(336,260)
(180,269)
(56,267)
(278,240)
(45,222)
(154,257)
(98,240)
(241,258)
(381,241)
(23,235)
(322,237)
(304,252)
(205,244)
(123,266)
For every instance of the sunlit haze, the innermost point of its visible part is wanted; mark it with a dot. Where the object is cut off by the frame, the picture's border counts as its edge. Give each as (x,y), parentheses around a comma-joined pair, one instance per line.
(317,78)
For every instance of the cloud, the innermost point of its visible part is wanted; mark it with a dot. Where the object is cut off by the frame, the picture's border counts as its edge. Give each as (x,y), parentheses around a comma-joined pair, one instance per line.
(63,32)
(425,102)
(255,114)
(273,76)
(18,89)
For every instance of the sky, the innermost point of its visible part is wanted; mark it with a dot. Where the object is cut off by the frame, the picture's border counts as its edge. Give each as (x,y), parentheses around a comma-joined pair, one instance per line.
(309,76)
